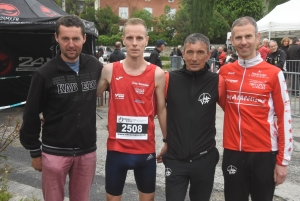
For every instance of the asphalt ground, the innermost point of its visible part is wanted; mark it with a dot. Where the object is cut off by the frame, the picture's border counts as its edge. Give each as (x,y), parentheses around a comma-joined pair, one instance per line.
(25,182)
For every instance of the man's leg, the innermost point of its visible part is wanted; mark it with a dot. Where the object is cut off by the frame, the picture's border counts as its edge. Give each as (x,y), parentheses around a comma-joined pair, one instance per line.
(55,169)
(262,177)
(115,174)
(177,179)
(81,176)
(202,176)
(236,175)
(145,176)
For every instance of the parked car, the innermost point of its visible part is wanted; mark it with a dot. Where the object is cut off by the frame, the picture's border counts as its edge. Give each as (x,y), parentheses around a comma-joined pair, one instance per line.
(106,52)
(123,49)
(147,52)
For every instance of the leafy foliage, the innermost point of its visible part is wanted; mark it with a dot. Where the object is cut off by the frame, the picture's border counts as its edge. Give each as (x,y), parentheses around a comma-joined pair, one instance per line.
(106,18)
(144,15)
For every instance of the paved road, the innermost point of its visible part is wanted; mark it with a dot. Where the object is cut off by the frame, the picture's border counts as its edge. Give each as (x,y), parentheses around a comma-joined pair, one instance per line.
(24,181)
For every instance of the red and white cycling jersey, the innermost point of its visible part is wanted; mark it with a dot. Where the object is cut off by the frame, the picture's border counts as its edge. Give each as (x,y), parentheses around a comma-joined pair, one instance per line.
(255,91)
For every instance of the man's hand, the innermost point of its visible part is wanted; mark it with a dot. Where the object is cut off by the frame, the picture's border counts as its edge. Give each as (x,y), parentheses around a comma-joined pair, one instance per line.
(280,173)
(36,163)
(163,150)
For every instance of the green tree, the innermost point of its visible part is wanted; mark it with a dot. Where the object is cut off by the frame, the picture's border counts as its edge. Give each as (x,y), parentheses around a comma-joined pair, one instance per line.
(144,15)
(106,18)
(226,11)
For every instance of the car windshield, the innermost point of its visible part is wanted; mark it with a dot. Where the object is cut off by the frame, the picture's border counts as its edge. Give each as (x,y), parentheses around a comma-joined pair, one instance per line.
(149,49)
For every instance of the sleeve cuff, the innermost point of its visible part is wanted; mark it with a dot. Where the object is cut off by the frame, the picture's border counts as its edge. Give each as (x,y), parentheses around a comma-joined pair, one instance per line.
(35,153)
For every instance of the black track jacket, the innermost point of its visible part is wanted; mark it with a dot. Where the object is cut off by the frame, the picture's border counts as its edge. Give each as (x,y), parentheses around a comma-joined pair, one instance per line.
(68,102)
(191,112)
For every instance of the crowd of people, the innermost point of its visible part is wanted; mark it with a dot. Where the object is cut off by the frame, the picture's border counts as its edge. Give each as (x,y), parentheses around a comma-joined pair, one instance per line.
(250,91)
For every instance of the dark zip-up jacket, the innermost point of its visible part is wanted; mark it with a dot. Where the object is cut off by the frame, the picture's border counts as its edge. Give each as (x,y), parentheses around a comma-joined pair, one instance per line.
(155,58)
(68,103)
(277,58)
(191,110)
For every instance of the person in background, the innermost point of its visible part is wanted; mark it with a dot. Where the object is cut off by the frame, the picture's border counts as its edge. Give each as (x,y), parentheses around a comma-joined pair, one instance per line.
(100,52)
(277,56)
(285,44)
(294,66)
(221,56)
(64,90)
(136,95)
(254,160)
(179,53)
(173,52)
(117,54)
(228,55)
(263,51)
(155,54)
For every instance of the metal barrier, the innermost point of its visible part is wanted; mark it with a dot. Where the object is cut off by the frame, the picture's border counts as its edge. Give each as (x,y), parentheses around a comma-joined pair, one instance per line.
(214,65)
(176,62)
(292,76)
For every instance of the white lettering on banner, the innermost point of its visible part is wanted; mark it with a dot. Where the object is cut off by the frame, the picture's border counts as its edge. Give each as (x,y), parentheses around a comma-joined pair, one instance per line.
(132,128)
(7,18)
(67,88)
(89,85)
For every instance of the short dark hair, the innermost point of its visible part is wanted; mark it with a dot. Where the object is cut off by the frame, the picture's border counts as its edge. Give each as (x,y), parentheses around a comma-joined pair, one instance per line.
(295,40)
(69,21)
(193,38)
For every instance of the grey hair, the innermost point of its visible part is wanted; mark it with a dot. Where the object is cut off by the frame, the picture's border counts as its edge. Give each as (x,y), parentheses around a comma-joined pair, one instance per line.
(273,41)
(195,37)
(265,39)
(244,21)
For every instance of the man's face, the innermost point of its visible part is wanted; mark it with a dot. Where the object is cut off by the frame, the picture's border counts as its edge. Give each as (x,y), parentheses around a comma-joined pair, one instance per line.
(266,43)
(220,49)
(273,47)
(195,56)
(245,41)
(135,40)
(70,40)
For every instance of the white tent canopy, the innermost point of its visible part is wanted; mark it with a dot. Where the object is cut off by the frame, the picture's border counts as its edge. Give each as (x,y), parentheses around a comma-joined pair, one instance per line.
(282,21)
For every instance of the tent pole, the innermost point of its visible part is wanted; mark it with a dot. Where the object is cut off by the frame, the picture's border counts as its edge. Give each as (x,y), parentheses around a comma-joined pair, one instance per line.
(64,5)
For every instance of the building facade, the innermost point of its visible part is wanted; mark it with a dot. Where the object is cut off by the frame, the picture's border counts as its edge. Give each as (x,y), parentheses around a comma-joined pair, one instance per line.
(124,8)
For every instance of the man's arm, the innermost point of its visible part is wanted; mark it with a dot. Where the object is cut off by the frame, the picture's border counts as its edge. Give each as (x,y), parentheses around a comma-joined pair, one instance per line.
(160,84)
(222,92)
(285,140)
(104,79)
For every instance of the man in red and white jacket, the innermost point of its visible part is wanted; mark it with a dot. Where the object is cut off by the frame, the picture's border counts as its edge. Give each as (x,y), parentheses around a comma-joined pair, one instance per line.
(256,150)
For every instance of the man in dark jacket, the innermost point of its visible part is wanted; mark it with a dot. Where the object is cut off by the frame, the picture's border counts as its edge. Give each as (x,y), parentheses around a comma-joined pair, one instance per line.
(192,94)
(293,66)
(277,56)
(64,90)
(154,56)
(117,55)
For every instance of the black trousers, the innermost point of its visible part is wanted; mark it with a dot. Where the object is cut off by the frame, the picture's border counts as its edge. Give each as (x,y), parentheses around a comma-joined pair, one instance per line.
(248,173)
(199,173)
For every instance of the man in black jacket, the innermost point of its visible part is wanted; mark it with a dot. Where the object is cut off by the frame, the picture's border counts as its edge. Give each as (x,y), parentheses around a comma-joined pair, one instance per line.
(64,90)
(277,56)
(117,55)
(293,66)
(154,56)
(192,94)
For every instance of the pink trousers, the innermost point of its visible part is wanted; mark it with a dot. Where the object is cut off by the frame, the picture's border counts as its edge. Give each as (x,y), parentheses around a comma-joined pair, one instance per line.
(81,171)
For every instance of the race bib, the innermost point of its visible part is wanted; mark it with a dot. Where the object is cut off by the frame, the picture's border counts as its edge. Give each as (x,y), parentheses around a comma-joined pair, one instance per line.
(132,128)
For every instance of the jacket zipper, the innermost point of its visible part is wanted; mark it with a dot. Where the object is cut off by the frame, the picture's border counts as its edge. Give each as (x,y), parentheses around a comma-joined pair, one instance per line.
(239,112)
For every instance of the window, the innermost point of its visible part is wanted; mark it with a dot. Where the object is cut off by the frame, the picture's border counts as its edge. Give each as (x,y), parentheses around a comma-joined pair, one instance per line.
(171,0)
(123,12)
(172,13)
(148,9)
(147,0)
